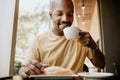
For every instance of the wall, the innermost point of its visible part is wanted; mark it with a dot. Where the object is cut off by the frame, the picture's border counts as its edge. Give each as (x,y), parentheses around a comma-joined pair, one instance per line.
(94,29)
(6,30)
(110,19)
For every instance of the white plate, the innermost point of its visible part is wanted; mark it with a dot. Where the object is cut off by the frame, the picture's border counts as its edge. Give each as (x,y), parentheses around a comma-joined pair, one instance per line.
(95,74)
(53,77)
(49,76)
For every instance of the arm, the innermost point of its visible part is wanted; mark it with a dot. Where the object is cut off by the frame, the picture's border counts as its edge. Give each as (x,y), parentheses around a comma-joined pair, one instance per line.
(33,67)
(98,58)
(87,41)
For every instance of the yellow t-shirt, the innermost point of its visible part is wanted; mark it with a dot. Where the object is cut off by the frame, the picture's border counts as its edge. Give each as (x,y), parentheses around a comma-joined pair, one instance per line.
(55,50)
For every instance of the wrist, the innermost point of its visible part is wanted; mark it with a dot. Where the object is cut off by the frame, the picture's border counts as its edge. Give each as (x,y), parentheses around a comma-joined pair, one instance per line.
(93,50)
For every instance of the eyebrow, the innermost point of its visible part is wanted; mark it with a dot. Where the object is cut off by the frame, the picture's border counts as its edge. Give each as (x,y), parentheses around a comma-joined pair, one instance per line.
(61,11)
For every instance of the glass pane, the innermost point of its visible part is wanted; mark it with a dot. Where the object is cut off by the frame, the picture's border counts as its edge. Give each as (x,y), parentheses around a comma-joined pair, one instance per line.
(32,20)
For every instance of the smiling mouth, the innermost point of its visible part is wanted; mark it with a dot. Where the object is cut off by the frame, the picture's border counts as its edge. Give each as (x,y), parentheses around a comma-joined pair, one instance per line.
(64,26)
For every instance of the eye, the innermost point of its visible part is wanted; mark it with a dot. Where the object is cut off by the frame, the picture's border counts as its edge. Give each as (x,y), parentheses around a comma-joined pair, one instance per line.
(70,14)
(58,14)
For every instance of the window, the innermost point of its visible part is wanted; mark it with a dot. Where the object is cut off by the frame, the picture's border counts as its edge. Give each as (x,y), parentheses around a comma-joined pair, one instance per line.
(33,19)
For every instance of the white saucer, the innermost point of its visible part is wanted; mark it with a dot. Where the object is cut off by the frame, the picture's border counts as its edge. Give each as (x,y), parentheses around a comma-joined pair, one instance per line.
(95,74)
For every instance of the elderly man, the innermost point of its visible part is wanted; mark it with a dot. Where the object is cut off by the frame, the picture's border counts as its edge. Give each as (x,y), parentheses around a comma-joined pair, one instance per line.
(54,49)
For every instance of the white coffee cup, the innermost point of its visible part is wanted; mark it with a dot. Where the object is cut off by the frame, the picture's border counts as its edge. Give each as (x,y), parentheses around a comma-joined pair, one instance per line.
(71,33)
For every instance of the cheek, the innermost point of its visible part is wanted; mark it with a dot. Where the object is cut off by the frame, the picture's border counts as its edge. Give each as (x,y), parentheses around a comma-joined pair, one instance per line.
(71,20)
(56,20)
(56,23)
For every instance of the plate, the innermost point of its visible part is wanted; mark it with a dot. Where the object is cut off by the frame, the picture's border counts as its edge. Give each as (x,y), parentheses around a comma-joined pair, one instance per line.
(95,74)
(74,75)
(53,77)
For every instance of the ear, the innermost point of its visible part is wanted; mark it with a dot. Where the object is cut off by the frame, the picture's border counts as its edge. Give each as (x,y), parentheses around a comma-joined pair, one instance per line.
(50,14)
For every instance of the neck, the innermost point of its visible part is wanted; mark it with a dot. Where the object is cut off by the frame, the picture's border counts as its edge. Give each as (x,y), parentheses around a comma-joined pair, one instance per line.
(57,32)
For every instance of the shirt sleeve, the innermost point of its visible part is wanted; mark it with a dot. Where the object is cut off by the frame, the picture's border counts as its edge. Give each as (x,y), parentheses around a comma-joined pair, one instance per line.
(89,54)
(33,52)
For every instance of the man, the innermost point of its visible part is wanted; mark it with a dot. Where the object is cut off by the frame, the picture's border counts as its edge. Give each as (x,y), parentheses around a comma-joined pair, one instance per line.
(52,48)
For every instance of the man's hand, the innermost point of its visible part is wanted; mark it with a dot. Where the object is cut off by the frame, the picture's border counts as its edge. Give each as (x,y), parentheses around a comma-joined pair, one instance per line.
(86,40)
(98,58)
(33,67)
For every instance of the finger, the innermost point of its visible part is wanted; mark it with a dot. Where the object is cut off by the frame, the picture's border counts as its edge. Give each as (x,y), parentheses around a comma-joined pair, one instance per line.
(26,70)
(34,69)
(81,36)
(85,38)
(42,69)
(84,42)
(86,35)
(36,63)
(45,65)
(24,75)
(82,32)
(29,70)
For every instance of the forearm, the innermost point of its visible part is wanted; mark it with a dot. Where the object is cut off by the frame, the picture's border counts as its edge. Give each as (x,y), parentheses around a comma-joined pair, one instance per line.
(87,41)
(33,67)
(98,59)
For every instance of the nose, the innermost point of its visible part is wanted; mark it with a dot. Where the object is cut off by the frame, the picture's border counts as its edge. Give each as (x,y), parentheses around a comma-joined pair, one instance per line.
(65,18)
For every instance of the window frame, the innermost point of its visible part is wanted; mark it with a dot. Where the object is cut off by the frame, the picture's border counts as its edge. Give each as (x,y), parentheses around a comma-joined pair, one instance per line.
(12,59)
